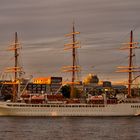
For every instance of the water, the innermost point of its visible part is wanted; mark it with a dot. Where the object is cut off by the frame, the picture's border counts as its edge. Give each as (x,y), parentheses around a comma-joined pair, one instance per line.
(69,128)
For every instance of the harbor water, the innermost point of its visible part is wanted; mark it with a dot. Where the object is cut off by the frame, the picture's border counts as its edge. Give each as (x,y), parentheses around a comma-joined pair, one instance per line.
(69,128)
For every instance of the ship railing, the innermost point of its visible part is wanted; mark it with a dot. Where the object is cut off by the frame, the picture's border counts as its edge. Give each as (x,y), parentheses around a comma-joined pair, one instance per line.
(57,105)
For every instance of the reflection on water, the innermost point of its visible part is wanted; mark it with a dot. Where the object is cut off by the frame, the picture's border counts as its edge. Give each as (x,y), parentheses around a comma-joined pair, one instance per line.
(69,128)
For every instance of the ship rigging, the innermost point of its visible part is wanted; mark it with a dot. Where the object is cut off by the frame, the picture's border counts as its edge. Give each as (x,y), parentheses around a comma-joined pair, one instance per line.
(75,68)
(130,68)
(95,106)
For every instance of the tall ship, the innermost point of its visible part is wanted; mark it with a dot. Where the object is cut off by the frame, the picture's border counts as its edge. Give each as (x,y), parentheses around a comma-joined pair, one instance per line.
(24,104)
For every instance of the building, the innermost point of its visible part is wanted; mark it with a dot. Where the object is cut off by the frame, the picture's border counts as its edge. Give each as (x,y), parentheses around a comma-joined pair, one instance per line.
(45,85)
(38,85)
(93,86)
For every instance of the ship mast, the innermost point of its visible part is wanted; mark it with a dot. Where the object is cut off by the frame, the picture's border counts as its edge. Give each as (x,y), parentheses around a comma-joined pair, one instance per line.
(16,55)
(74,60)
(16,69)
(74,68)
(130,68)
(130,64)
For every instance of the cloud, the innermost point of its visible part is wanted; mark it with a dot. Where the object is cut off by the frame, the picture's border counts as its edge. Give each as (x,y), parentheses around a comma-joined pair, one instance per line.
(104,25)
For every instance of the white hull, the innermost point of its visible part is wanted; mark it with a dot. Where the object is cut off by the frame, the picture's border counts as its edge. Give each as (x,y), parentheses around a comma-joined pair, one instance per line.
(21,109)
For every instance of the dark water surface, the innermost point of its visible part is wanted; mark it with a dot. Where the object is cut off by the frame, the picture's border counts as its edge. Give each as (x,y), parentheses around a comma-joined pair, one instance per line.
(69,128)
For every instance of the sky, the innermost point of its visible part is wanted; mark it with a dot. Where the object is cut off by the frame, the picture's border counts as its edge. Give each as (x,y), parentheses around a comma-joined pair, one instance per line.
(42,24)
